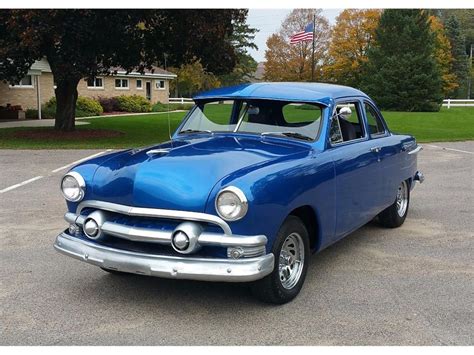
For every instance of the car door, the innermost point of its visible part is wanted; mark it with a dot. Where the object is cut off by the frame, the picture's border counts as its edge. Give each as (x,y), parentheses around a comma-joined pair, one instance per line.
(355,164)
(388,152)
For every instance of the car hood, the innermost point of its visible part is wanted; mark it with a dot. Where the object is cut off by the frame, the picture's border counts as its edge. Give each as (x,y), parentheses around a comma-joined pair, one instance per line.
(183,176)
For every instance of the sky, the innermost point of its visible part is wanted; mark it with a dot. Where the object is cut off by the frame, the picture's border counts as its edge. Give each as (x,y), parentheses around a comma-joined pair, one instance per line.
(268,21)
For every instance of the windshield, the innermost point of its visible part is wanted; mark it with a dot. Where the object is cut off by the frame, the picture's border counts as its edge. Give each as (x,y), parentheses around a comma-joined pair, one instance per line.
(263,117)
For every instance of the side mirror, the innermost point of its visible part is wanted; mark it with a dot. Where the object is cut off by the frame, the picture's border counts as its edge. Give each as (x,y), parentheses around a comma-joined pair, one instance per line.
(345,112)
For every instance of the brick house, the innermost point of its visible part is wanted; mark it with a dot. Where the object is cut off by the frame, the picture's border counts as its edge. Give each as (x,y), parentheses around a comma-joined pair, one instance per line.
(37,87)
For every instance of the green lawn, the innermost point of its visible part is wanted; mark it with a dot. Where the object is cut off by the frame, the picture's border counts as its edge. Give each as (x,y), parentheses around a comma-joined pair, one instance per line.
(138,131)
(454,124)
(447,125)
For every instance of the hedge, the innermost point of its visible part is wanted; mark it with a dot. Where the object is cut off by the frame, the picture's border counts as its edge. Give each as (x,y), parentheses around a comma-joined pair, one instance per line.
(133,103)
(160,107)
(85,107)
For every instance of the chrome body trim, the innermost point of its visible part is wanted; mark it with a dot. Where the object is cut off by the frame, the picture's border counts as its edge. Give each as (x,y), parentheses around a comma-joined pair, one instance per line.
(419,176)
(149,235)
(243,199)
(229,270)
(80,181)
(416,150)
(155,212)
(157,151)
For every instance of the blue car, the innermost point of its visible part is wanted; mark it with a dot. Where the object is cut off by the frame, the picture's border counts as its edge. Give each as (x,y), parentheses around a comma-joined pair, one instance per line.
(255,179)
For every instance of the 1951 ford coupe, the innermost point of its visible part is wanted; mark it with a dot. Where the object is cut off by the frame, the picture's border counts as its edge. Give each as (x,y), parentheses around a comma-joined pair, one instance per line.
(255,179)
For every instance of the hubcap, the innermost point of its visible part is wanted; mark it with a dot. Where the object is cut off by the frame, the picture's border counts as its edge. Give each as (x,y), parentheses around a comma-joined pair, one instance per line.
(291,261)
(402,199)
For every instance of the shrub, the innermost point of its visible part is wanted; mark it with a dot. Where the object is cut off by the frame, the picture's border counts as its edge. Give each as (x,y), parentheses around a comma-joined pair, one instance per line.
(109,104)
(48,111)
(160,107)
(85,107)
(133,103)
(51,103)
(88,107)
(31,114)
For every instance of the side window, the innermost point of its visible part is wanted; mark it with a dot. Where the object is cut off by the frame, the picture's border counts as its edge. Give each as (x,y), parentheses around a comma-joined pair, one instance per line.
(346,125)
(335,134)
(373,120)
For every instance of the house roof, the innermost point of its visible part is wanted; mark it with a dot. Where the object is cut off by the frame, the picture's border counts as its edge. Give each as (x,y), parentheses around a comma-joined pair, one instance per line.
(43,66)
(155,72)
(296,92)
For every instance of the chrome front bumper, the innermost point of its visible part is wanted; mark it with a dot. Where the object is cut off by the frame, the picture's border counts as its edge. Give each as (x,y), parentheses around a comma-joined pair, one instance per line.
(187,267)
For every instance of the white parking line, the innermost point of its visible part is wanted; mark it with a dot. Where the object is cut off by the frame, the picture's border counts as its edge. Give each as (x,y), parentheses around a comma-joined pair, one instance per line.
(20,184)
(455,150)
(53,171)
(80,160)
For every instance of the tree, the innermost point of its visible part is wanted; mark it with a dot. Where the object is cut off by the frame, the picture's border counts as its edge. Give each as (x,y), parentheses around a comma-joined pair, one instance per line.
(242,39)
(465,18)
(85,43)
(292,62)
(193,78)
(401,72)
(243,71)
(351,36)
(460,66)
(443,56)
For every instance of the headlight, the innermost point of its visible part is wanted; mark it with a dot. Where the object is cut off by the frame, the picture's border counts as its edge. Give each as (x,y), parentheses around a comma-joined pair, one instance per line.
(73,187)
(231,204)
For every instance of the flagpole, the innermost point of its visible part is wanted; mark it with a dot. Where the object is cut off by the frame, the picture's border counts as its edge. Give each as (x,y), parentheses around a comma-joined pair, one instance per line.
(312,53)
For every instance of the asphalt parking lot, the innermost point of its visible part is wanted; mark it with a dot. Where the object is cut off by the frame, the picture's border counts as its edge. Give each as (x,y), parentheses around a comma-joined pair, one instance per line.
(408,286)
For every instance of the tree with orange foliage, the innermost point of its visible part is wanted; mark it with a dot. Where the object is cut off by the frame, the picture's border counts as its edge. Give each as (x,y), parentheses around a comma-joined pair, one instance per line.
(351,36)
(292,62)
(443,56)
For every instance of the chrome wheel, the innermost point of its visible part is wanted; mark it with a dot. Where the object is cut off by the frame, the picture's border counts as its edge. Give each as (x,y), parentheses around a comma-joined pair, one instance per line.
(291,260)
(402,199)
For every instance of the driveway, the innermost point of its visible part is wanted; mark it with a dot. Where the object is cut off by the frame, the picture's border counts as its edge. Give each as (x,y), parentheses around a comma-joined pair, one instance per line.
(407,286)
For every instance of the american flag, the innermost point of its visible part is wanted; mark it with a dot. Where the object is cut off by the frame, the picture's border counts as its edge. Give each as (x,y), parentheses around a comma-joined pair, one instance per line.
(303,36)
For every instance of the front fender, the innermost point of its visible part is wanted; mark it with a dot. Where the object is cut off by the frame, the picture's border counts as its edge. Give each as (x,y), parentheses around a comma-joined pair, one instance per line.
(274,191)
(87,170)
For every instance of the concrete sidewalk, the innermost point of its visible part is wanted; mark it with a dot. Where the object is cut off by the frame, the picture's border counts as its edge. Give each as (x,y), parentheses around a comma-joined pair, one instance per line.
(33,123)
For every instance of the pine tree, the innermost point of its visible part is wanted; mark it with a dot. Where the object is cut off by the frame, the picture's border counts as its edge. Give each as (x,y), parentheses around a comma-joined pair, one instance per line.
(401,73)
(460,60)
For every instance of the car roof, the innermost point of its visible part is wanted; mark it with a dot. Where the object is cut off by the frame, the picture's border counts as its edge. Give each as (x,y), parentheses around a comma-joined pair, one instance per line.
(298,92)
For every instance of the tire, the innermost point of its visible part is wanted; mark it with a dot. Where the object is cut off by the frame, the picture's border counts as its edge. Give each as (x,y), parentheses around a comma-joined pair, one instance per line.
(281,287)
(394,215)
(114,272)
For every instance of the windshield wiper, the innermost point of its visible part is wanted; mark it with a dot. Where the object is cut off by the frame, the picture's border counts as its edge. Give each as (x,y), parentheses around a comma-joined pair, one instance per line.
(188,131)
(288,134)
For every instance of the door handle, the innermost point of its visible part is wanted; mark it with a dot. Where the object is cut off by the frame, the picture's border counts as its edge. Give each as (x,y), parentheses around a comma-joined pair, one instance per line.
(375,149)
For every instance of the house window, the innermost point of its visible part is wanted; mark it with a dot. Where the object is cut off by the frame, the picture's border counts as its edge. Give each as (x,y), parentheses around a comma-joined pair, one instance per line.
(26,82)
(160,84)
(139,84)
(95,83)
(121,83)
